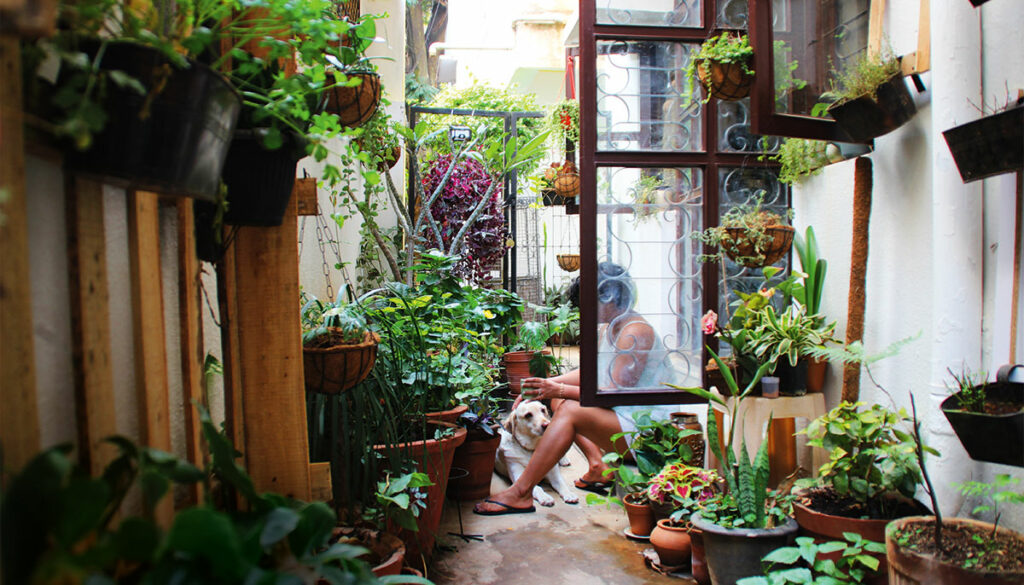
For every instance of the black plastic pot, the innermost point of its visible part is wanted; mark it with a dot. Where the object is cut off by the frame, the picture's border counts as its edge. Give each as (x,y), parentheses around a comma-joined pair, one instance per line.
(260,181)
(792,379)
(987,437)
(868,116)
(180,146)
(989,146)
(735,553)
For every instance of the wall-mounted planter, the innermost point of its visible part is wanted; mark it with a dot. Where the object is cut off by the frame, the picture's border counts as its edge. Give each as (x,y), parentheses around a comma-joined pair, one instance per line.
(260,181)
(180,147)
(988,146)
(869,116)
(992,436)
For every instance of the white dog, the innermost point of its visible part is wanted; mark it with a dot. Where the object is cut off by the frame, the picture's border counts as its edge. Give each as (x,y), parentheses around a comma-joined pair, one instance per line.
(519,437)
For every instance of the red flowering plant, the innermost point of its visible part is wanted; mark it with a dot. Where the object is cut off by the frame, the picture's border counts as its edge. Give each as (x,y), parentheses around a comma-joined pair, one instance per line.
(461,202)
(740,332)
(684,486)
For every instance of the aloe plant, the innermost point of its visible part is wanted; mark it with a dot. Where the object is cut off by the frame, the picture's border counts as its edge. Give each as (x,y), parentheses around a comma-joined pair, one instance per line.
(746,503)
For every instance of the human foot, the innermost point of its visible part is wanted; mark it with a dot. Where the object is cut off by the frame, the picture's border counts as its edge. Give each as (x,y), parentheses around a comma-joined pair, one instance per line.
(503,503)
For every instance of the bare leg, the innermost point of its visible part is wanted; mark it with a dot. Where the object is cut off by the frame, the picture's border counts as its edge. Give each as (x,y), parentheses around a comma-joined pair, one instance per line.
(593,453)
(571,419)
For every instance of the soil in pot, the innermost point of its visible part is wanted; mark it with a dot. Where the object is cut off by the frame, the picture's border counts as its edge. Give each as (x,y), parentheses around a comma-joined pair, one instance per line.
(970,553)
(672,541)
(997,435)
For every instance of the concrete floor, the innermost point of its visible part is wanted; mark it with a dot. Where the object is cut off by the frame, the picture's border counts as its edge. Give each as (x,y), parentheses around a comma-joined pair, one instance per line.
(561,545)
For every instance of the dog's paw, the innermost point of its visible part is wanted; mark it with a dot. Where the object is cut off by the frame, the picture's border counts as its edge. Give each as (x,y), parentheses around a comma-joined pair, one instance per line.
(570,498)
(542,497)
(564,462)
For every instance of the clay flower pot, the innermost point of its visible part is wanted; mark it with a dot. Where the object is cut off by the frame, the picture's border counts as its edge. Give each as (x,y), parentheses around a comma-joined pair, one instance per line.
(640,515)
(517,367)
(672,543)
(909,567)
(476,457)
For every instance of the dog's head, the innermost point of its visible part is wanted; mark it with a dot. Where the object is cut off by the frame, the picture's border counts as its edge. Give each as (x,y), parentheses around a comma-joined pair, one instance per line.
(527,422)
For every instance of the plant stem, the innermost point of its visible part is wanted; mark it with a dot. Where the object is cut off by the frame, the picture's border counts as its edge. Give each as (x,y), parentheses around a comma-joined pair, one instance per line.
(919,450)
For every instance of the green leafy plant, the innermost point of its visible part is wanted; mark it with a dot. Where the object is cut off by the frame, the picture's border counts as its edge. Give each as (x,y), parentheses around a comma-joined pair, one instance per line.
(746,503)
(58,524)
(806,564)
(784,67)
(684,487)
(329,324)
(809,287)
(399,499)
(791,334)
(863,75)
(993,494)
(800,158)
(644,193)
(723,48)
(971,389)
(563,123)
(754,219)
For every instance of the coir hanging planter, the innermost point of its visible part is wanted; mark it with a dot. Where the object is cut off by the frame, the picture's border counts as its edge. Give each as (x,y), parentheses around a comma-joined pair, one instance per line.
(744,249)
(260,181)
(567,181)
(996,435)
(173,140)
(871,116)
(989,146)
(568,262)
(355,104)
(334,369)
(728,82)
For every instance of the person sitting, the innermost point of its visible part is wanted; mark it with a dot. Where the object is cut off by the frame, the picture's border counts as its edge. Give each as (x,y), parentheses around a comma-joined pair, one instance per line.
(629,355)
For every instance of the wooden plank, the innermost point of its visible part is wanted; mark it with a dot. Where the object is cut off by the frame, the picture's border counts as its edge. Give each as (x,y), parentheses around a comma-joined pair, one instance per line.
(304,193)
(876,16)
(90,322)
(233,407)
(321,487)
(274,409)
(28,18)
(151,383)
(920,60)
(19,411)
(1015,302)
(190,327)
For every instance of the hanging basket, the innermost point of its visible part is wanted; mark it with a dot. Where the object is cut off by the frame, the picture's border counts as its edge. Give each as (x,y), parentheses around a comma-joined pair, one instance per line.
(569,262)
(870,116)
(567,181)
(742,249)
(332,370)
(355,105)
(728,81)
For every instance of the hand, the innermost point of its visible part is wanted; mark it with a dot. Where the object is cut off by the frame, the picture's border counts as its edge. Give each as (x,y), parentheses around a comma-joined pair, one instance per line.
(541,389)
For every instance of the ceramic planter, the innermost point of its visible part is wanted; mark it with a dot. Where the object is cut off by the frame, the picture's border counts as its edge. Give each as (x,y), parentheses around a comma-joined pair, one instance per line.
(729,82)
(672,543)
(640,515)
(816,371)
(476,457)
(989,146)
(735,553)
(997,438)
(741,248)
(180,147)
(868,117)
(907,567)
(335,369)
(450,416)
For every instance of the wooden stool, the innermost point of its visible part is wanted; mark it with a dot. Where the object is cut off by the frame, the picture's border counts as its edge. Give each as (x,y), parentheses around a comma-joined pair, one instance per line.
(754,414)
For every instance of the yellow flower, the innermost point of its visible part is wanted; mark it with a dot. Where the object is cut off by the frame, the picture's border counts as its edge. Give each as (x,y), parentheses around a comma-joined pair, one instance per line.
(488,314)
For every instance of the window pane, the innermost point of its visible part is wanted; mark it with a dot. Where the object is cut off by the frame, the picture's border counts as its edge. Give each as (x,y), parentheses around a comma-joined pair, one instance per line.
(644,220)
(734,134)
(649,12)
(639,107)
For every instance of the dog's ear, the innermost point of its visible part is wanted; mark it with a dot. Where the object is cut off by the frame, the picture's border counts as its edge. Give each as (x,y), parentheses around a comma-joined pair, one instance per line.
(510,423)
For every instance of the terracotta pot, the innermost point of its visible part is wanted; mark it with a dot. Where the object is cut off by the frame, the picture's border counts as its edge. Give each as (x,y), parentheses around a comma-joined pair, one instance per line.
(672,543)
(386,550)
(816,370)
(729,82)
(450,416)
(641,517)
(826,527)
(737,245)
(335,369)
(698,561)
(517,367)
(476,457)
(690,422)
(735,553)
(434,457)
(355,105)
(907,567)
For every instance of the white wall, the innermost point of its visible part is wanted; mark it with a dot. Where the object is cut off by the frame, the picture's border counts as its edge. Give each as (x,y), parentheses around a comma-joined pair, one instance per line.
(937,246)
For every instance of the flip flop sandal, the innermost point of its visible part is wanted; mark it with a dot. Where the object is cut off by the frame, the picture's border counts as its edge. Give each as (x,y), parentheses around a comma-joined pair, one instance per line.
(506,509)
(598,487)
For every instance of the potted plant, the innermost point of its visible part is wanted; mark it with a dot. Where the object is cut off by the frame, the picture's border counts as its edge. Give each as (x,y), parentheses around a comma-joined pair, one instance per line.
(476,455)
(835,562)
(563,124)
(990,145)
(379,140)
(338,350)
(685,488)
(807,289)
(722,66)
(744,524)
(933,549)
(528,357)
(646,193)
(356,93)
(749,235)
(135,107)
(871,98)
(786,340)
(988,417)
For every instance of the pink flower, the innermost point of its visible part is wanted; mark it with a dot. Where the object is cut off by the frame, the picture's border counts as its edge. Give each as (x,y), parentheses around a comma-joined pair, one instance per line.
(709,322)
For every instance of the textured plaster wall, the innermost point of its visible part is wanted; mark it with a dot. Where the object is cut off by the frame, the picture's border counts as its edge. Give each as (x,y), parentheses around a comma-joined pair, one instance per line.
(937,247)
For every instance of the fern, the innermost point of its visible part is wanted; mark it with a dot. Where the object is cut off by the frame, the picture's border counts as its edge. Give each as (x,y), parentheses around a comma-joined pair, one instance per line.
(854,353)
